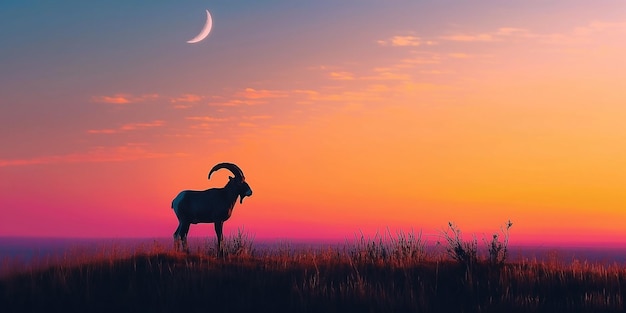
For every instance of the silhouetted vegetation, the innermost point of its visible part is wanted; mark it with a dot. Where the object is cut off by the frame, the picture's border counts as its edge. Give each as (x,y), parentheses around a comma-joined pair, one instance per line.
(381,274)
(466,252)
(498,250)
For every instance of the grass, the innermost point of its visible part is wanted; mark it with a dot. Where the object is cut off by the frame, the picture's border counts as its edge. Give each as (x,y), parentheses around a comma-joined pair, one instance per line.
(387,273)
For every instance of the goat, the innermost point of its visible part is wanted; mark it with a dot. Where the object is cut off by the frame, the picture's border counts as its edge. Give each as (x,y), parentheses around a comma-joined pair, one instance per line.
(214,205)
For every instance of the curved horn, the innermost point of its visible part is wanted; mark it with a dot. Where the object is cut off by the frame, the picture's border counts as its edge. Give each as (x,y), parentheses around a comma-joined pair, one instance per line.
(229,166)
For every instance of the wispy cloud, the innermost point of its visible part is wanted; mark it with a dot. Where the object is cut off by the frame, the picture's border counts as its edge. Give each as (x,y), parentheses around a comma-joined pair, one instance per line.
(127,127)
(419,59)
(508,33)
(135,126)
(236,102)
(377,88)
(103,131)
(128,152)
(470,38)
(257,117)
(422,87)
(364,95)
(434,72)
(585,34)
(499,34)
(341,75)
(124,98)
(600,26)
(206,123)
(249,96)
(404,41)
(459,55)
(185,101)
(206,119)
(190,98)
(387,74)
(203,126)
(391,73)
(307,92)
(251,93)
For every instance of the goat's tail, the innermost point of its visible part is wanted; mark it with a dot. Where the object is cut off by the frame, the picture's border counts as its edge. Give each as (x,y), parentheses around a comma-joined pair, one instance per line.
(177,201)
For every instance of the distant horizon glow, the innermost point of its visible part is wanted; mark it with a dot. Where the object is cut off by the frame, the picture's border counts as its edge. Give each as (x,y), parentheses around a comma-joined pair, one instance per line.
(429,241)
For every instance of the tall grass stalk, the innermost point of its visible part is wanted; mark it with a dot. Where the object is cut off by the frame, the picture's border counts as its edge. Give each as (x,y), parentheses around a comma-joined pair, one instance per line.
(404,247)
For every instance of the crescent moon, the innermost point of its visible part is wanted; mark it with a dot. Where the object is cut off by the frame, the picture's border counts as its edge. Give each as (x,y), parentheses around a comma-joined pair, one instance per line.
(205,30)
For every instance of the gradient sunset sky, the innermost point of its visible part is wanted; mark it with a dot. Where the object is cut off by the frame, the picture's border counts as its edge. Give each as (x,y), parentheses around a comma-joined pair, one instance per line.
(345,116)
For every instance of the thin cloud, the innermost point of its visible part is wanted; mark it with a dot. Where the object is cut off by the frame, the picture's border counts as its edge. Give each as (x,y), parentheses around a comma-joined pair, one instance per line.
(186,101)
(203,126)
(341,75)
(251,93)
(402,41)
(128,152)
(282,126)
(250,96)
(459,55)
(374,86)
(182,106)
(237,102)
(599,26)
(423,87)
(307,92)
(103,131)
(499,34)
(470,38)
(257,117)
(206,119)
(135,126)
(128,127)
(205,122)
(387,74)
(187,98)
(510,31)
(124,98)
(378,88)
(421,59)
(434,72)
(321,67)
(585,34)
(348,96)
(379,73)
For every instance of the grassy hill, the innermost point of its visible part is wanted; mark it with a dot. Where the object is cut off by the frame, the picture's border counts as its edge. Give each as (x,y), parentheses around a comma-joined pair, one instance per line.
(370,276)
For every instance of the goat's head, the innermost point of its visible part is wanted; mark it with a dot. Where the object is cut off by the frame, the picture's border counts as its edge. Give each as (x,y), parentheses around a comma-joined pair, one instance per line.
(238,182)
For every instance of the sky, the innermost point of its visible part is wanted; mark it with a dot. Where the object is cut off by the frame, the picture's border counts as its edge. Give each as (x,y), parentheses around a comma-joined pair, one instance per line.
(346,117)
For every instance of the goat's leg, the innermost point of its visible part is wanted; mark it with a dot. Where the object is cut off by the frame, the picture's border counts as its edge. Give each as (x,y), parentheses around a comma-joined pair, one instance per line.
(220,237)
(184,230)
(177,238)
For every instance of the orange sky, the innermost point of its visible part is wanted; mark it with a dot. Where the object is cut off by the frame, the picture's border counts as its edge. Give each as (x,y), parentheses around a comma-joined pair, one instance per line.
(340,125)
